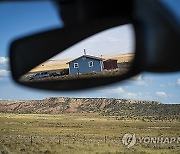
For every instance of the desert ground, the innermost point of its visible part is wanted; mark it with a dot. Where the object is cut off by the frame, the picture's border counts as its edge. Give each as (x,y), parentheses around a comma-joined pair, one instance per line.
(81,133)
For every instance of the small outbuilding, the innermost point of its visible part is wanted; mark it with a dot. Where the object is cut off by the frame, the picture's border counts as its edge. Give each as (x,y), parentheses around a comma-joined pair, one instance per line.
(85,64)
(110,64)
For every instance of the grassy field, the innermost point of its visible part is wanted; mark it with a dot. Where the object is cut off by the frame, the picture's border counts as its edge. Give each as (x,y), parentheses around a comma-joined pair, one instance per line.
(105,73)
(73,133)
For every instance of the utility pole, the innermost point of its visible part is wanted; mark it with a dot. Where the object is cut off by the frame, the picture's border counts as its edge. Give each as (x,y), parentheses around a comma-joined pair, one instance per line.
(84,51)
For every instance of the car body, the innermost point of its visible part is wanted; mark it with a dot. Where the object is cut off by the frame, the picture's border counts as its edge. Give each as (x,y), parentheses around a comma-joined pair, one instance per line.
(53,74)
(39,75)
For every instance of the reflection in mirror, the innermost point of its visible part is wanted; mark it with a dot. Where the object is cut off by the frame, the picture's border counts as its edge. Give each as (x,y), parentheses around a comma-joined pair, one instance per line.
(106,54)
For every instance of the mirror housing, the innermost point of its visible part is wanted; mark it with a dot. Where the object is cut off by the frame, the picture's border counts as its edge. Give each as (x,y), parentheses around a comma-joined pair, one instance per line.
(156,27)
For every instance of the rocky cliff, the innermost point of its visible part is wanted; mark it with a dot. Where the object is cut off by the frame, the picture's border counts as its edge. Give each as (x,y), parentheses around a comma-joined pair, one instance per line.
(104,106)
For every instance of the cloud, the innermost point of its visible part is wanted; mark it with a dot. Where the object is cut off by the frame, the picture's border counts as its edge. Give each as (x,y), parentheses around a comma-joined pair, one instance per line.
(170,84)
(131,95)
(4,72)
(4,67)
(162,85)
(161,94)
(4,60)
(178,82)
(112,39)
(124,94)
(137,77)
(118,90)
(140,81)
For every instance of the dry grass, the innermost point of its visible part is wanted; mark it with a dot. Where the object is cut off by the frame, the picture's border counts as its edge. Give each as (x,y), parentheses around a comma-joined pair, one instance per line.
(51,65)
(120,57)
(105,73)
(72,133)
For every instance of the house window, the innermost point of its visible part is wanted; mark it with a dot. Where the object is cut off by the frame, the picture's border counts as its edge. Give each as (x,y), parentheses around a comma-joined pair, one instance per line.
(90,64)
(76,65)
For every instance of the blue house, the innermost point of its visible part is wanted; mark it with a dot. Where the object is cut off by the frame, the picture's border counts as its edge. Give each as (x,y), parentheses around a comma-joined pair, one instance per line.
(85,64)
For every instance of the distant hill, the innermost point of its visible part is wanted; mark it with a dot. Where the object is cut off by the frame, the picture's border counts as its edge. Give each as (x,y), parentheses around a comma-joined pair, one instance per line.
(123,109)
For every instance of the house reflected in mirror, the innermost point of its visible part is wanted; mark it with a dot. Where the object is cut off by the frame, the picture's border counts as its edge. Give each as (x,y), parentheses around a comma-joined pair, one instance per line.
(106,54)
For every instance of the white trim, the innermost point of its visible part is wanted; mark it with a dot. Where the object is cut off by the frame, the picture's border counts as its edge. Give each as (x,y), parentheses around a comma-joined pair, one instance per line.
(102,65)
(91,63)
(69,69)
(76,65)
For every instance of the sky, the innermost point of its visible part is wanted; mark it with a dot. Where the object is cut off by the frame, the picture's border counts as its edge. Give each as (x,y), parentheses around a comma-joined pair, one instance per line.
(117,40)
(23,18)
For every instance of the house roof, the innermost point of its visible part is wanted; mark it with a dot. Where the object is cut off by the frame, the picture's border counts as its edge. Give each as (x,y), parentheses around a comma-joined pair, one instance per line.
(88,56)
(108,60)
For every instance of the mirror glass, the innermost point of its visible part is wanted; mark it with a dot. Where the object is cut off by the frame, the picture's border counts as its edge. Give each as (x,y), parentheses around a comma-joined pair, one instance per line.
(105,54)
